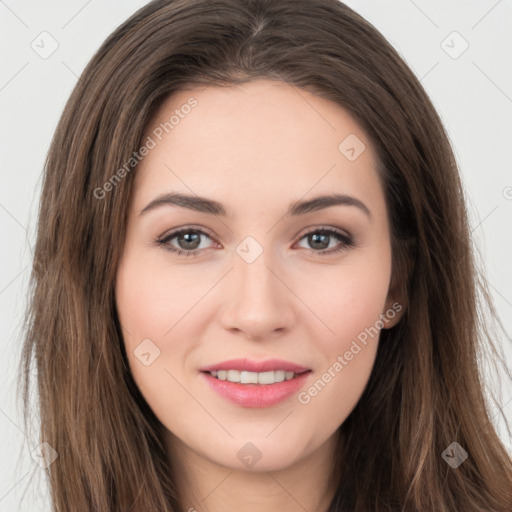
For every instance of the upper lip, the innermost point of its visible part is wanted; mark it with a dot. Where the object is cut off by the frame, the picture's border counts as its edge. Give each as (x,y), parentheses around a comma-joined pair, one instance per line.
(255,366)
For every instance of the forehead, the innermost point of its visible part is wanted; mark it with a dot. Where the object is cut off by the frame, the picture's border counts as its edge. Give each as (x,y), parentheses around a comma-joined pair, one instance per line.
(261,138)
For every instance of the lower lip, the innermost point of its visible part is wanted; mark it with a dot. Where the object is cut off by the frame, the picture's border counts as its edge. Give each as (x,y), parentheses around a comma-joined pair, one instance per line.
(256,395)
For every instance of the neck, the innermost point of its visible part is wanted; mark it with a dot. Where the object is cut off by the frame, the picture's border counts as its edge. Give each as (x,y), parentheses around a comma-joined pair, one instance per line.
(205,486)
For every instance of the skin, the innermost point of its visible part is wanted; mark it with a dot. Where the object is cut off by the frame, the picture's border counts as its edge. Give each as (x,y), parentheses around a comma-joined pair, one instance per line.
(254,148)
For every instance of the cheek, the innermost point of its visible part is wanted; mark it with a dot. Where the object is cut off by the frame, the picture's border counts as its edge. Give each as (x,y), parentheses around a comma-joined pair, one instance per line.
(162,303)
(350,303)
(150,301)
(152,297)
(348,300)
(358,305)
(138,305)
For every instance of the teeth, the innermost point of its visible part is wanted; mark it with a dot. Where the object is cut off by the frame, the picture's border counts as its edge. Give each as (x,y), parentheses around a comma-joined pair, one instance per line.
(233,376)
(265,377)
(249,377)
(244,377)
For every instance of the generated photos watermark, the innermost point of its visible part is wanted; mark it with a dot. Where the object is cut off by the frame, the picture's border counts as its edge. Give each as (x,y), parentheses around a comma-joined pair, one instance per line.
(305,397)
(137,156)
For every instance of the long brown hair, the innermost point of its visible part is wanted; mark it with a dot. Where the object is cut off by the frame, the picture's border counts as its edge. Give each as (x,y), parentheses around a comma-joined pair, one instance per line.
(426,390)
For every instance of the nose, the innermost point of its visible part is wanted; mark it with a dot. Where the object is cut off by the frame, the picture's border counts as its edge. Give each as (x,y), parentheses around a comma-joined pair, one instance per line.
(259,303)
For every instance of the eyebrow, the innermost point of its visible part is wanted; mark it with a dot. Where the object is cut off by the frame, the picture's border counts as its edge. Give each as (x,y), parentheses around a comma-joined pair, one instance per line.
(205,205)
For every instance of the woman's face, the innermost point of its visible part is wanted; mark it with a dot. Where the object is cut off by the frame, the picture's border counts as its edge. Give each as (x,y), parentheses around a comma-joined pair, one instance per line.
(289,286)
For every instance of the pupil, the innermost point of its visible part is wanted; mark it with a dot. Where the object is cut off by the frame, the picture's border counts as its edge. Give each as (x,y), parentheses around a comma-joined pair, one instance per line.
(186,236)
(314,239)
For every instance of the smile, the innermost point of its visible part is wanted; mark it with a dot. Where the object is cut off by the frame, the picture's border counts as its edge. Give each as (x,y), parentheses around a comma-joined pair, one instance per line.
(245,377)
(258,389)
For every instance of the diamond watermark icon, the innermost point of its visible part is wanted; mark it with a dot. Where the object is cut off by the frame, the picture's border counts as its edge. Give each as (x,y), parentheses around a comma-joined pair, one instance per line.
(249,249)
(44,45)
(249,455)
(455,455)
(146,352)
(454,45)
(351,147)
(44,455)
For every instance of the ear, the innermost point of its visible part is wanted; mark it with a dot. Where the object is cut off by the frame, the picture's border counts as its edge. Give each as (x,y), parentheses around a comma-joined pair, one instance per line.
(397,299)
(394,311)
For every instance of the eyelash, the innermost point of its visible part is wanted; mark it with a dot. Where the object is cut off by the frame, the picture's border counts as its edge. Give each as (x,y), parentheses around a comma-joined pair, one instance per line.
(346,240)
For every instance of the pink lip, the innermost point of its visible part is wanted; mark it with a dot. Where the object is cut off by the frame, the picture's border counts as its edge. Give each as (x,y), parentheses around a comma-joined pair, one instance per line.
(256,366)
(256,395)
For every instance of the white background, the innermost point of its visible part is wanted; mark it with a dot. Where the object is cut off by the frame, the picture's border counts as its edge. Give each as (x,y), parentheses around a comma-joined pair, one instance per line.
(473,95)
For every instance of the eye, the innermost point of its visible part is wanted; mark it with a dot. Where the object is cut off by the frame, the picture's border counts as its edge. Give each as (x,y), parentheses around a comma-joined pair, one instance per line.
(188,241)
(320,238)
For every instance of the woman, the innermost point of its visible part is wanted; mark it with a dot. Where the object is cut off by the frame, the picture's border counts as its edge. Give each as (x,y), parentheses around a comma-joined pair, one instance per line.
(201,351)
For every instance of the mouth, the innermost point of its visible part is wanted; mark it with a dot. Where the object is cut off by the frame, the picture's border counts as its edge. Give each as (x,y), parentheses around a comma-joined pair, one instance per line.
(247,377)
(254,384)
